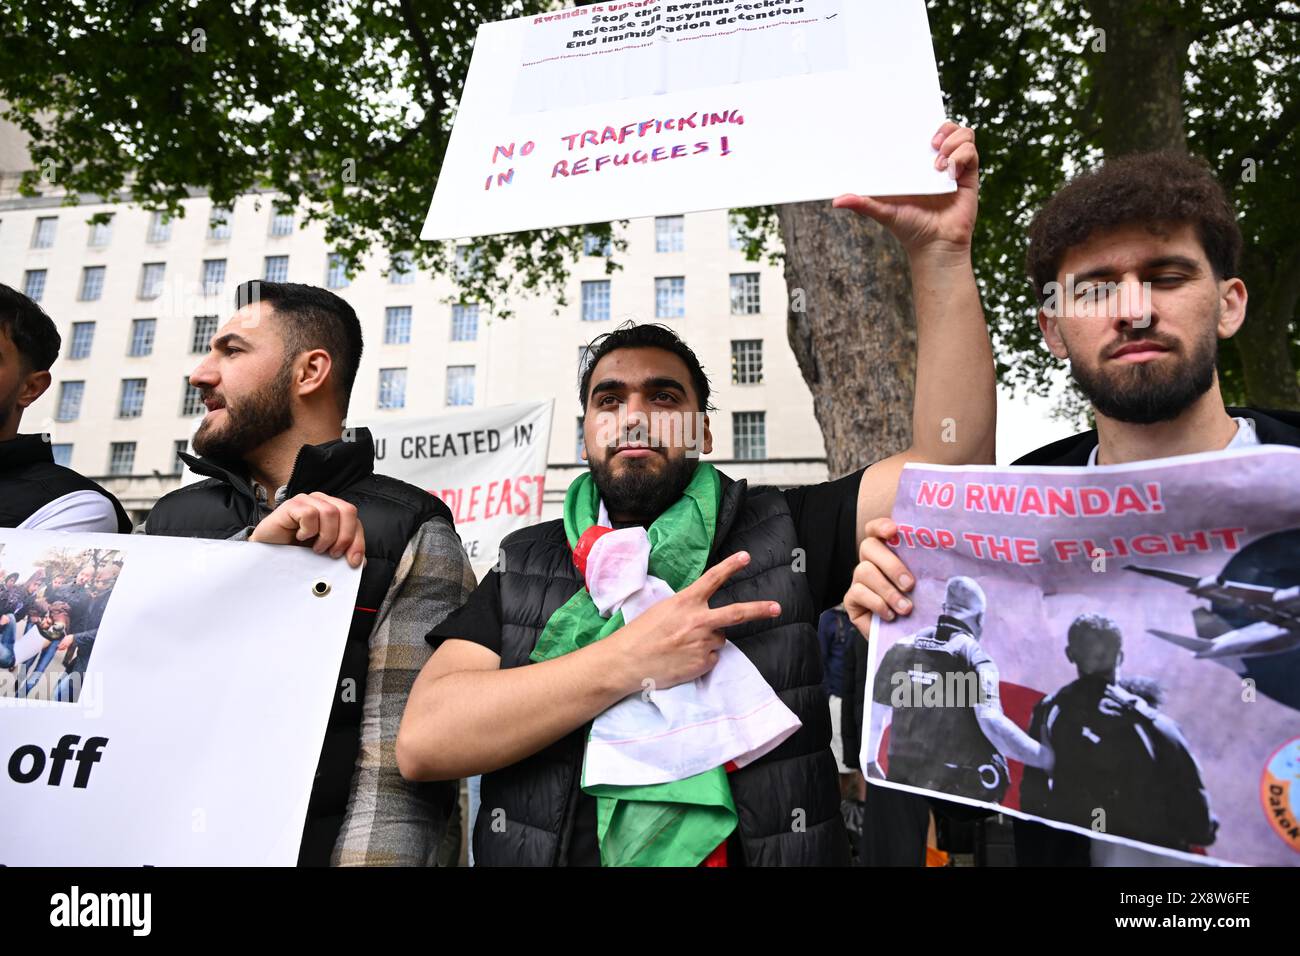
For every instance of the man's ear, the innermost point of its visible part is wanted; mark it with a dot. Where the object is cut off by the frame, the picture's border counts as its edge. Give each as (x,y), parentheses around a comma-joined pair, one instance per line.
(34,387)
(1232,312)
(1069,654)
(1049,325)
(707,447)
(313,371)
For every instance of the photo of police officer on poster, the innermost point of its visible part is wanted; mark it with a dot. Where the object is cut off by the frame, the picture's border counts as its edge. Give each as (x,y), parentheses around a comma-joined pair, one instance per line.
(1111,650)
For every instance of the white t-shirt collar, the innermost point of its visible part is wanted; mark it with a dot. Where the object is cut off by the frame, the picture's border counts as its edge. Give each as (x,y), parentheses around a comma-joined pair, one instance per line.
(1244,438)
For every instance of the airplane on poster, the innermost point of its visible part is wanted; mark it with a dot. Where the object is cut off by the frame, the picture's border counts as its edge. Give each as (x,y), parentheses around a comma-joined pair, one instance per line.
(1275,630)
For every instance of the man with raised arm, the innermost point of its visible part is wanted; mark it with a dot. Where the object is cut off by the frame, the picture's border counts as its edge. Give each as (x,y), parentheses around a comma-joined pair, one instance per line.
(1135,265)
(571,629)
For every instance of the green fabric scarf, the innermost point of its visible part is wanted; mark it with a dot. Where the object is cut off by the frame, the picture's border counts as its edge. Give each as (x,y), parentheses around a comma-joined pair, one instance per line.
(668,824)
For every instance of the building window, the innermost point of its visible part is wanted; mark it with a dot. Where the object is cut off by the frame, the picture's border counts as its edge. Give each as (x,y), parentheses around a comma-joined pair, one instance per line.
(336,274)
(276,269)
(191,399)
(460,384)
(464,322)
(219,222)
(205,326)
(92,283)
(34,284)
(397,325)
(744,293)
(747,361)
(130,404)
(179,446)
(735,235)
(281,222)
(70,401)
(83,337)
(392,388)
(101,233)
(580,441)
(670,234)
(160,227)
(151,279)
(595,301)
(594,245)
(121,458)
(402,269)
(749,435)
(467,261)
(142,333)
(670,297)
(214,276)
(62,454)
(43,234)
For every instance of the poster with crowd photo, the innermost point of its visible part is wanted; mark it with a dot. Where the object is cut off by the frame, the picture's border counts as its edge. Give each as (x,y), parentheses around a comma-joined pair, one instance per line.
(645,107)
(51,602)
(487,465)
(1110,650)
(163,700)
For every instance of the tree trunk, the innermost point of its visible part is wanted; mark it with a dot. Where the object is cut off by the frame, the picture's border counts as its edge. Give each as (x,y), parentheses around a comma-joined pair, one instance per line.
(1138,58)
(1263,342)
(852,329)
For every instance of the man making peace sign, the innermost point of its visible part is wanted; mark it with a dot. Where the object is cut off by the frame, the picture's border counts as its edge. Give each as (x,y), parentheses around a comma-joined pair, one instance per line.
(665,574)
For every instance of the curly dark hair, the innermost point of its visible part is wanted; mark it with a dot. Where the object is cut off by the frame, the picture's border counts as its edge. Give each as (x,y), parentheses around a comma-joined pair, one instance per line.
(1087,626)
(1157,189)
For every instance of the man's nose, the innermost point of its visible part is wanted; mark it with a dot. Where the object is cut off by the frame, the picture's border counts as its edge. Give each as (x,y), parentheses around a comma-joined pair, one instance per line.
(635,406)
(204,374)
(1131,307)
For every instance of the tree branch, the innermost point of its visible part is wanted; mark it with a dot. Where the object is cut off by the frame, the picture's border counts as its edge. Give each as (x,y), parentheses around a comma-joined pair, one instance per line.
(1225,23)
(429,69)
(1282,127)
(429,122)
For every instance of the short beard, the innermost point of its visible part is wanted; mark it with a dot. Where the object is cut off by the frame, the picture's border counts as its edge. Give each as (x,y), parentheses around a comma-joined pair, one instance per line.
(639,495)
(1143,394)
(251,423)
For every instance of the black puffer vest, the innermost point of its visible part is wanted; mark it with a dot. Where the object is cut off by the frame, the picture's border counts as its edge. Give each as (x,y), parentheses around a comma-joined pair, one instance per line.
(30,480)
(390,512)
(788,801)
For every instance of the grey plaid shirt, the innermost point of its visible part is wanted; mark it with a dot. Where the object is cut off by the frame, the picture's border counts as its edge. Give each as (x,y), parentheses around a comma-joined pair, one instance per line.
(391,821)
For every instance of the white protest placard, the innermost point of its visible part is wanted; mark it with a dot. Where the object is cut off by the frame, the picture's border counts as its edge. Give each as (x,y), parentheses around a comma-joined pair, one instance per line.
(622,110)
(487,465)
(183,724)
